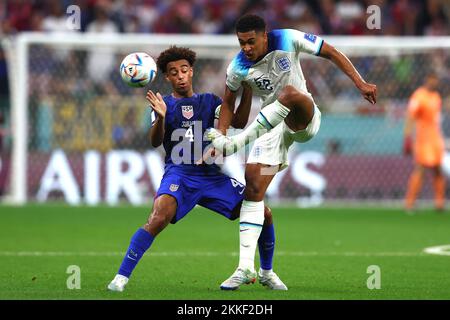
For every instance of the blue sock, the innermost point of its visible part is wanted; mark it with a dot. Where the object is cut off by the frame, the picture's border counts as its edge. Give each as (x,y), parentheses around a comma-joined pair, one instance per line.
(266,245)
(140,242)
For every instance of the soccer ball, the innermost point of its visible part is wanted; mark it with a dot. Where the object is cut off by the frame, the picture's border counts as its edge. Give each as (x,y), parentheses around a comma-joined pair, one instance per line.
(138,69)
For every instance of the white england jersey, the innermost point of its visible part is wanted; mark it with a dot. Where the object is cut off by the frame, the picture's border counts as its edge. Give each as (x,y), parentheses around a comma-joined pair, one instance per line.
(279,67)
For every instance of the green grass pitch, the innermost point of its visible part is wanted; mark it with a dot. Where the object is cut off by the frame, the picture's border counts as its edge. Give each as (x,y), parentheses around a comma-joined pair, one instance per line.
(320,253)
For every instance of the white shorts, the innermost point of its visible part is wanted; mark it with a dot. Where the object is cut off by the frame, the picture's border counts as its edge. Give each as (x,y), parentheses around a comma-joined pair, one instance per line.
(272,147)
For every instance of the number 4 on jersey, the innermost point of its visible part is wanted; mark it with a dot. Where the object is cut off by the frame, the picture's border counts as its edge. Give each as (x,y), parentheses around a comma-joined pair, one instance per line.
(189,134)
(236,183)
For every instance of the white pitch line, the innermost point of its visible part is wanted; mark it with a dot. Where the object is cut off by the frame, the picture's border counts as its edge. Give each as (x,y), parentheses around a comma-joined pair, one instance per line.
(439,250)
(353,254)
(206,254)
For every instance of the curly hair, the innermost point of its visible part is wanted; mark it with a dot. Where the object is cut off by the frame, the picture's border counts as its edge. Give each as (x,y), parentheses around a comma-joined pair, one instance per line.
(250,22)
(175,53)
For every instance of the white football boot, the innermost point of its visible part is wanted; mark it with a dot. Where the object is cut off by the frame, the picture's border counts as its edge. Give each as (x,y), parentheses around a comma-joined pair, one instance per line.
(239,277)
(271,280)
(118,283)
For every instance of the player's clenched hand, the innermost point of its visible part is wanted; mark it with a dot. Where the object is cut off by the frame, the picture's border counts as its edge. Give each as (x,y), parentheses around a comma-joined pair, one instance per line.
(368,91)
(157,103)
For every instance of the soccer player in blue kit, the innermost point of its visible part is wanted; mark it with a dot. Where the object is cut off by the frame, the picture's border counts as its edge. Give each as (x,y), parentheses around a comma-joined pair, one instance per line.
(180,124)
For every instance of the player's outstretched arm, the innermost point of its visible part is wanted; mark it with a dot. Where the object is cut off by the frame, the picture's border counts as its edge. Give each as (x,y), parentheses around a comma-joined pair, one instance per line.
(368,90)
(159,106)
(227,110)
(240,118)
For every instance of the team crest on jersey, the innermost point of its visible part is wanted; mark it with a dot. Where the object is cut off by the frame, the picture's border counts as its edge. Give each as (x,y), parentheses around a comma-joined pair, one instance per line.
(284,63)
(187,111)
(173,187)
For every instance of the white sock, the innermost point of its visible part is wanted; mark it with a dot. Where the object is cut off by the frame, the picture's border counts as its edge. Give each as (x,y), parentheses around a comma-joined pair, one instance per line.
(250,226)
(268,118)
(266,272)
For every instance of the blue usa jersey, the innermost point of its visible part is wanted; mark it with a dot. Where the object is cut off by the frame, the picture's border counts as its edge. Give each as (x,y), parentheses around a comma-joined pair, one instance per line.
(185,124)
(190,184)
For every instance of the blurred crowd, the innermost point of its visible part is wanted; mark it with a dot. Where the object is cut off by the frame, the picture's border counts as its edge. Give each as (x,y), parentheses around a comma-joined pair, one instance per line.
(341,17)
(58,80)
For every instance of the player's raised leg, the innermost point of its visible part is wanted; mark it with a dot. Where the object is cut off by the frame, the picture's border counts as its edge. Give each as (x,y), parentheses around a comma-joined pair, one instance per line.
(290,100)
(164,210)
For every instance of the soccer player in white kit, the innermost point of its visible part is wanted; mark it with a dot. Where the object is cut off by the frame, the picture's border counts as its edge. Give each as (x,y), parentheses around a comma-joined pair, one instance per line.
(269,62)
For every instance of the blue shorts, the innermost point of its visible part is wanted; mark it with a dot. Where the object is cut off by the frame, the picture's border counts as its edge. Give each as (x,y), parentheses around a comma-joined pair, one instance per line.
(218,192)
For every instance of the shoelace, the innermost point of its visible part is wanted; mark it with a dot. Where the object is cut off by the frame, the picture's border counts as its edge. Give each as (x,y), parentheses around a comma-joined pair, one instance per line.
(240,275)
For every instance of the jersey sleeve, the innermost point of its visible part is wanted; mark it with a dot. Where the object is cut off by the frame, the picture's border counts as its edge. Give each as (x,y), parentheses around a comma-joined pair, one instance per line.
(216,105)
(217,112)
(153,116)
(305,42)
(234,78)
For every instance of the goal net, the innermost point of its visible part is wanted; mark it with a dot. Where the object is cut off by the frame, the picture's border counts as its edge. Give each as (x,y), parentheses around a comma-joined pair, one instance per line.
(80,135)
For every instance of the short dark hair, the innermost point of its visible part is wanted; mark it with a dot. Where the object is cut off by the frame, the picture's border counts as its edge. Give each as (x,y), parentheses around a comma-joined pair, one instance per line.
(175,53)
(250,22)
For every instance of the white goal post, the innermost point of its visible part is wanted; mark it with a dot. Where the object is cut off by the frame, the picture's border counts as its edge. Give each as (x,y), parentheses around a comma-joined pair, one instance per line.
(17,50)
(208,47)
